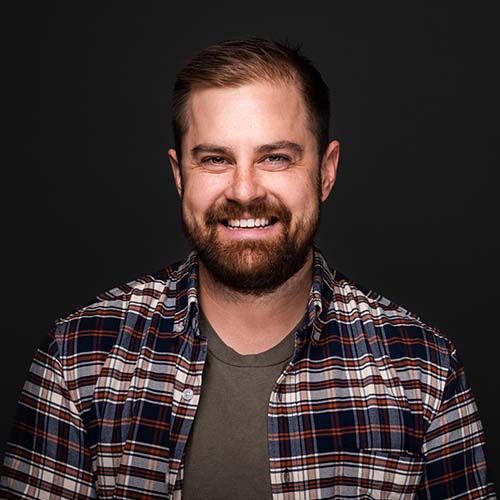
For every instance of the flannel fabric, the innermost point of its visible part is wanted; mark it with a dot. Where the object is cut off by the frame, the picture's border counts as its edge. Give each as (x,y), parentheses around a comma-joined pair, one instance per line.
(373,403)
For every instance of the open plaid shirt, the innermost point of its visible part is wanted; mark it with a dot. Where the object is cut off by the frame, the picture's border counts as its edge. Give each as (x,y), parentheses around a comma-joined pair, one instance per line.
(373,403)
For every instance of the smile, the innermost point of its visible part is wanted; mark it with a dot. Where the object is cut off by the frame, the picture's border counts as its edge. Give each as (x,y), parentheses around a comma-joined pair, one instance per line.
(249,223)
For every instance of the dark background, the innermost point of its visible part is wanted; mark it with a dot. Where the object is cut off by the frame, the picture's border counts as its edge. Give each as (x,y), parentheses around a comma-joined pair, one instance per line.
(88,199)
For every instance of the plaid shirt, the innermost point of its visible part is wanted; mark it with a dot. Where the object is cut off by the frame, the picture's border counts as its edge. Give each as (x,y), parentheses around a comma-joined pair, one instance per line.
(373,403)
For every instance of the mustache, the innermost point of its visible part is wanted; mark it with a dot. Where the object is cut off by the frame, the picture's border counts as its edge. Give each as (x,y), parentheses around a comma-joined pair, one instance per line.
(257,209)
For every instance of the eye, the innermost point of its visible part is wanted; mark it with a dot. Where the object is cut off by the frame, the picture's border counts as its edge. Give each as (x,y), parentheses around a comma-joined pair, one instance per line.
(214,161)
(276,160)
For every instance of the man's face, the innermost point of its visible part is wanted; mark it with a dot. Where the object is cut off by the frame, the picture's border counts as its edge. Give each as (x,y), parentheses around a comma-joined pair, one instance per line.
(251,183)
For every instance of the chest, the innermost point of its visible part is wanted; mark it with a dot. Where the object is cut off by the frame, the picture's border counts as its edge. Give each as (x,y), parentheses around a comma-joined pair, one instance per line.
(335,426)
(341,428)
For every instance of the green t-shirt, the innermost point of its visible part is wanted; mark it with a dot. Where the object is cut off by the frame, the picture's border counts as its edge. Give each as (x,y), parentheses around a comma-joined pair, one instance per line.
(227,452)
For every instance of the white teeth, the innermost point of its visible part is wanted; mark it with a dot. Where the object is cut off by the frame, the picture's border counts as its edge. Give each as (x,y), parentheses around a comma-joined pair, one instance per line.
(247,222)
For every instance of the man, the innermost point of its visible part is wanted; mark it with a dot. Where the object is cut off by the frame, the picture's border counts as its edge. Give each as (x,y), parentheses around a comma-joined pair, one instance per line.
(250,370)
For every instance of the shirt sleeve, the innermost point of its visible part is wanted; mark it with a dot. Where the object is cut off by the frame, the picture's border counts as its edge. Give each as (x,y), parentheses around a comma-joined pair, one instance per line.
(454,445)
(47,455)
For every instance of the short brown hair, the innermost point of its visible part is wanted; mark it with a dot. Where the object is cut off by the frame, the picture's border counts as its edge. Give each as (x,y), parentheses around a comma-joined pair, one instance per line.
(235,62)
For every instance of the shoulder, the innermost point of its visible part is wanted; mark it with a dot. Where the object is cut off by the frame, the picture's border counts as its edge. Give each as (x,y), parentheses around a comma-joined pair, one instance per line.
(385,325)
(130,307)
(377,339)
(103,339)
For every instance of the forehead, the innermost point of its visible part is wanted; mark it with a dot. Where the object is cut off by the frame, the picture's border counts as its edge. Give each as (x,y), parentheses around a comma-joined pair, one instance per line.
(253,113)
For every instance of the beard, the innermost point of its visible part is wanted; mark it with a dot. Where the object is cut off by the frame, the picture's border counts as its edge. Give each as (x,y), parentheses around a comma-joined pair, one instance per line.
(255,266)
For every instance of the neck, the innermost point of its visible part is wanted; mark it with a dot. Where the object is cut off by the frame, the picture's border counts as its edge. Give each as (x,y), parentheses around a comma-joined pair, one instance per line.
(254,323)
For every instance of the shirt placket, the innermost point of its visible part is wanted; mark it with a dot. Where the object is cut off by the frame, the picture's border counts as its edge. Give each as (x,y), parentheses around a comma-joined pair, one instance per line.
(186,398)
(286,406)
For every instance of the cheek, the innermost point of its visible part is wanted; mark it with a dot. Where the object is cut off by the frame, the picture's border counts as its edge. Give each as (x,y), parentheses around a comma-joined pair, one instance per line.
(300,195)
(198,196)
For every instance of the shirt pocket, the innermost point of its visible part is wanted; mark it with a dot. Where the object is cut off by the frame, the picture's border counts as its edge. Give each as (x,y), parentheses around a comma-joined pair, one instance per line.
(371,474)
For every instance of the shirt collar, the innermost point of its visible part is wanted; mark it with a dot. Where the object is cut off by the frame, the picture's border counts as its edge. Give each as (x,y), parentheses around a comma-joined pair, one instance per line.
(187,307)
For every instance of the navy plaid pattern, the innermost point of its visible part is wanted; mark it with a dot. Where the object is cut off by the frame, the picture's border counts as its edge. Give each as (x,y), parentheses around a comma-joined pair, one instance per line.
(373,404)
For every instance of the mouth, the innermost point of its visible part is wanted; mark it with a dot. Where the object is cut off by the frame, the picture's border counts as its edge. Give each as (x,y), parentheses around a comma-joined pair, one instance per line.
(248,223)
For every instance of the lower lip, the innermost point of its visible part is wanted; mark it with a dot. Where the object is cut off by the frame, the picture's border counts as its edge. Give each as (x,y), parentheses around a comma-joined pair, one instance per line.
(250,232)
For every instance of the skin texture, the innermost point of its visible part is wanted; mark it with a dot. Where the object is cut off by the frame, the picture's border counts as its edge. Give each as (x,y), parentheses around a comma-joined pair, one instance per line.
(248,151)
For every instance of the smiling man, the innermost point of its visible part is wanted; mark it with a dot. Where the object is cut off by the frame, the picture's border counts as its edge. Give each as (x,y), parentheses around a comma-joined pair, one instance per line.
(251,370)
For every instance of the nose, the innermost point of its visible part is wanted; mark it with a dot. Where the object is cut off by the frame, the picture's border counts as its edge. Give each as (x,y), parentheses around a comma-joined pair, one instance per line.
(245,185)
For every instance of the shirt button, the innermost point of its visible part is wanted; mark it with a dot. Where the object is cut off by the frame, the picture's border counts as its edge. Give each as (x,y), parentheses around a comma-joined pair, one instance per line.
(187,394)
(178,327)
(286,475)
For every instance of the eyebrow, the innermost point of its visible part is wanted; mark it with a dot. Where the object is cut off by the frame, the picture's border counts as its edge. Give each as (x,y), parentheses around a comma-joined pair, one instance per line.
(210,148)
(265,148)
(275,146)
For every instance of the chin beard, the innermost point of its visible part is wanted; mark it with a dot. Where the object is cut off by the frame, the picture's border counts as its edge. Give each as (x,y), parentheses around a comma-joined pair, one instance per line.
(252,267)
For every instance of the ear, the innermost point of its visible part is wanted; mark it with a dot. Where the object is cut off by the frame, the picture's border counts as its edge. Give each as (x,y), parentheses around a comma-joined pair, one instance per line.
(176,170)
(329,165)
